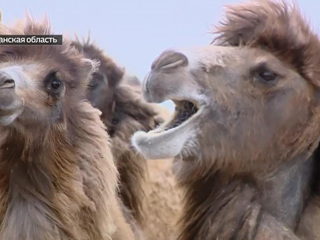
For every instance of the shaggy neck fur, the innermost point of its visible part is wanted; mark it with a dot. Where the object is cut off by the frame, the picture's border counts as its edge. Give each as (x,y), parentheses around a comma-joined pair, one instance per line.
(123,112)
(53,186)
(134,114)
(220,206)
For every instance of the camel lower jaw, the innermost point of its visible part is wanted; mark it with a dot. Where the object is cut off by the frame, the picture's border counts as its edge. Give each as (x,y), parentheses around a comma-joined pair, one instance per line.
(10,107)
(164,141)
(7,120)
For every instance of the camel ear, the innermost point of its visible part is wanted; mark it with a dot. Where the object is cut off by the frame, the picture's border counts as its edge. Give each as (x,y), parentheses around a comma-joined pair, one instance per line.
(89,67)
(132,81)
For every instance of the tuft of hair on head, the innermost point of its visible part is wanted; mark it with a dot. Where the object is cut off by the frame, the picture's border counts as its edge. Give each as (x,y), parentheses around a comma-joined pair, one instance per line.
(32,27)
(277,27)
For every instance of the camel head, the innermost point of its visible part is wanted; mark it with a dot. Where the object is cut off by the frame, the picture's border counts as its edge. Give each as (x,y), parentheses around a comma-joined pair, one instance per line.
(104,80)
(248,100)
(39,84)
(117,95)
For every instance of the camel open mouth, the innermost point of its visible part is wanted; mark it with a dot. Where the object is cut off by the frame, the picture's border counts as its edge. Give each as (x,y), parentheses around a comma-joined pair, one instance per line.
(169,139)
(184,110)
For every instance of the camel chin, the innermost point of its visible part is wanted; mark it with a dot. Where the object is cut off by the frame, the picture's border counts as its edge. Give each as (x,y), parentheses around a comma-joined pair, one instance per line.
(172,137)
(11,106)
(7,120)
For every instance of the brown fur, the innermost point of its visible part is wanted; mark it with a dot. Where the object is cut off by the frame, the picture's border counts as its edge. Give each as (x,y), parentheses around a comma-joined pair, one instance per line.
(154,204)
(277,28)
(57,175)
(163,202)
(247,163)
(123,112)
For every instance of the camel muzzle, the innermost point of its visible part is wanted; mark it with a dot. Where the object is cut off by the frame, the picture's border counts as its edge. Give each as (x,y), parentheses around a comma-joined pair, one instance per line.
(11,105)
(166,78)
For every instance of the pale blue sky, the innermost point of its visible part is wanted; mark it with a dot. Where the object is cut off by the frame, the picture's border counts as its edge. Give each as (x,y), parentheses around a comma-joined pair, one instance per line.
(135,32)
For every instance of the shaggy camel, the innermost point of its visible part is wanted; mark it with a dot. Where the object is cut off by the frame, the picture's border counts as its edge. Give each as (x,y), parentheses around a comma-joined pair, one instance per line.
(118,96)
(57,176)
(245,128)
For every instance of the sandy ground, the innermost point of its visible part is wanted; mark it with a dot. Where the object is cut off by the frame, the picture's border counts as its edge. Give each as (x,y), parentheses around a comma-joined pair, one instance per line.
(162,202)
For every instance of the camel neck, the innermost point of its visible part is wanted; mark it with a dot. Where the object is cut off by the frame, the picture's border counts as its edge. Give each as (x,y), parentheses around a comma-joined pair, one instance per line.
(46,180)
(212,205)
(28,169)
(218,207)
(284,193)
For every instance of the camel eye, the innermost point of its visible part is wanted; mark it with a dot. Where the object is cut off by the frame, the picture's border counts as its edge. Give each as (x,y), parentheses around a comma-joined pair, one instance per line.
(97,79)
(115,121)
(267,75)
(93,85)
(55,84)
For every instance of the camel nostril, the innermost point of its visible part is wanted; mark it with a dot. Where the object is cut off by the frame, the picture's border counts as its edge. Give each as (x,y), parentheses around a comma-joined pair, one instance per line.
(7,83)
(169,59)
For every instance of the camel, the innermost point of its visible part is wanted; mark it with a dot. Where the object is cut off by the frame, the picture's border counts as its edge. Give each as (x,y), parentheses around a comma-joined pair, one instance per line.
(246,126)
(58,179)
(146,191)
